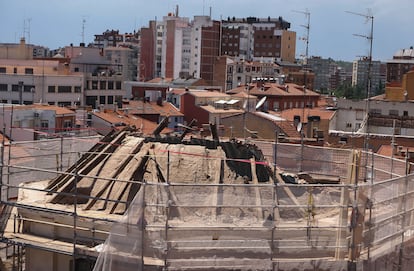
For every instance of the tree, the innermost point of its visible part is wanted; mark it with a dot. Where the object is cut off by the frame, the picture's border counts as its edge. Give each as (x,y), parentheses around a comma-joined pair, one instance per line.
(348,91)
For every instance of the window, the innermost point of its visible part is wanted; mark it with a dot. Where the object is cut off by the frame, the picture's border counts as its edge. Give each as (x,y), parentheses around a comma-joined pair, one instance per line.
(118,85)
(28,71)
(375,111)
(94,84)
(110,99)
(110,84)
(64,89)
(28,88)
(15,87)
(102,85)
(62,104)
(3,87)
(102,100)
(78,89)
(44,124)
(348,125)
(67,124)
(405,113)
(393,112)
(14,70)
(2,69)
(51,89)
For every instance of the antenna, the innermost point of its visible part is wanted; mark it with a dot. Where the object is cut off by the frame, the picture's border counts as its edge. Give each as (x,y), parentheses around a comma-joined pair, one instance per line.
(305,63)
(83,28)
(307,27)
(26,29)
(368,17)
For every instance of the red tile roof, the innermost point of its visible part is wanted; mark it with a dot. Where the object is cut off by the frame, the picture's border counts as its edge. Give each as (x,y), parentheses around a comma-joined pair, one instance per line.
(289,114)
(177,91)
(58,109)
(119,120)
(274,89)
(288,128)
(160,80)
(208,94)
(141,107)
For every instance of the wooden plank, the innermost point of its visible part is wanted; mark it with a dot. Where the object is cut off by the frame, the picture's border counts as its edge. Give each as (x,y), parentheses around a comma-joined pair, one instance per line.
(260,213)
(57,182)
(69,185)
(113,166)
(134,170)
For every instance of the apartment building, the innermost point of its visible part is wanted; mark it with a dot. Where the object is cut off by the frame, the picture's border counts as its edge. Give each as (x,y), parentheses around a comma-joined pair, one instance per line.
(251,38)
(401,63)
(125,58)
(32,122)
(179,48)
(46,81)
(20,50)
(324,70)
(280,97)
(103,79)
(147,64)
(229,72)
(360,75)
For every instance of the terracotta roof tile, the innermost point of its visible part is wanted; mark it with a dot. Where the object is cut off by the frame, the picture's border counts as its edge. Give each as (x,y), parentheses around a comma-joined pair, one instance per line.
(207,94)
(120,121)
(141,107)
(274,89)
(289,114)
(58,109)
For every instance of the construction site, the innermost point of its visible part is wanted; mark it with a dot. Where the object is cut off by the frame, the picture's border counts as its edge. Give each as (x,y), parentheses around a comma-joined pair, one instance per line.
(128,202)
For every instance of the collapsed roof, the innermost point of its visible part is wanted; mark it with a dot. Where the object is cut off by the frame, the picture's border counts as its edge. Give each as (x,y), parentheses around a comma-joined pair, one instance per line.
(116,167)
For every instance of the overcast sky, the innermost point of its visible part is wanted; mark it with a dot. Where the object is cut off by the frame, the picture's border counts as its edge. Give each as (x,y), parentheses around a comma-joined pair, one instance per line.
(57,23)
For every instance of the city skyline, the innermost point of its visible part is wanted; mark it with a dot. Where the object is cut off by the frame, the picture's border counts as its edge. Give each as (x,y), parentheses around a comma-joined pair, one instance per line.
(334,31)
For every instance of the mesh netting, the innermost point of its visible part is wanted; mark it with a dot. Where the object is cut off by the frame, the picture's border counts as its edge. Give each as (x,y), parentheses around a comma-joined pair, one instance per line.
(193,225)
(40,160)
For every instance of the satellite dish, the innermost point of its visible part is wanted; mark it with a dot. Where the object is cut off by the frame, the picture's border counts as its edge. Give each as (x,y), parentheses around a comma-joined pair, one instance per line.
(299,127)
(245,104)
(261,102)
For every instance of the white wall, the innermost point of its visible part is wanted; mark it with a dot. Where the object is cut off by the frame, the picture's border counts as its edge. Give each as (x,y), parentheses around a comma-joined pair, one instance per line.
(353,112)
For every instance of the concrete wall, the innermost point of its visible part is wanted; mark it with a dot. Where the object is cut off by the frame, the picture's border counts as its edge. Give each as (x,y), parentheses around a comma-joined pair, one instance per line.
(353,112)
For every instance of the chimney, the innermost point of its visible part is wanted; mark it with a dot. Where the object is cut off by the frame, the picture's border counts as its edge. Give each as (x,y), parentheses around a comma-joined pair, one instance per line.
(159,101)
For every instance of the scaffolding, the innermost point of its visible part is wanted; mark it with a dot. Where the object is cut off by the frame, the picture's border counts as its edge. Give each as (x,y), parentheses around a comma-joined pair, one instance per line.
(190,211)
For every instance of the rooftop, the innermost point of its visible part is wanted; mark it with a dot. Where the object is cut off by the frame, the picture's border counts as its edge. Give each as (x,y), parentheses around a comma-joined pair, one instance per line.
(119,121)
(289,114)
(141,107)
(274,89)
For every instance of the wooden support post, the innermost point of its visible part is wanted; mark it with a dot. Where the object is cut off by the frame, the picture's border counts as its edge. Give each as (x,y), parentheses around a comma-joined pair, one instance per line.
(255,181)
